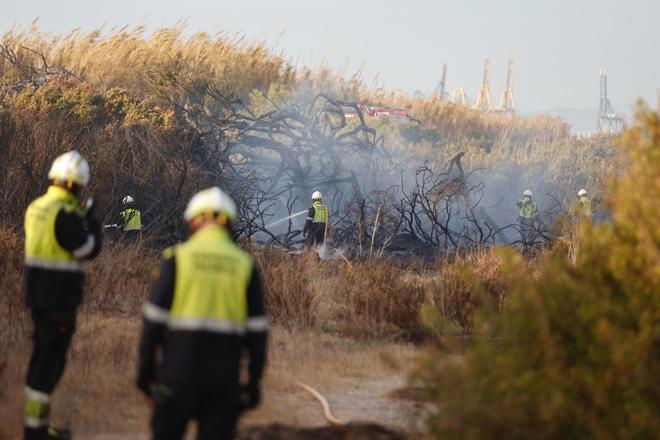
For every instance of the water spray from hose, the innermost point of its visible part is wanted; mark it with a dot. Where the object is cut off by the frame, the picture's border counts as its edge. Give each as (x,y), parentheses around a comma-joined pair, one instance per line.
(277,222)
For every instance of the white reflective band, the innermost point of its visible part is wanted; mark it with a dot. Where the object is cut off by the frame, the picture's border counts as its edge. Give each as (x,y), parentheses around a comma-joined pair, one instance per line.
(257,324)
(206,324)
(32,422)
(154,313)
(133,228)
(65,266)
(36,396)
(86,248)
(310,218)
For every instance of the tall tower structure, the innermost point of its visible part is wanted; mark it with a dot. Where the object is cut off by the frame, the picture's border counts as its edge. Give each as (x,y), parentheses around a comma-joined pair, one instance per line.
(607,121)
(483,97)
(440,88)
(458,96)
(507,103)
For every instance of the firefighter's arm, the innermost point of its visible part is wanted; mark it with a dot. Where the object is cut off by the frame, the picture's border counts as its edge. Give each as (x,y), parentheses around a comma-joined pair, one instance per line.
(81,238)
(155,313)
(256,338)
(310,219)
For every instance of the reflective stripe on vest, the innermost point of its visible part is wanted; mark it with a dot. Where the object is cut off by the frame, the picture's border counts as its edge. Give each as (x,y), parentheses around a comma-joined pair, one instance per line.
(527,209)
(131,219)
(211,282)
(320,212)
(41,247)
(160,315)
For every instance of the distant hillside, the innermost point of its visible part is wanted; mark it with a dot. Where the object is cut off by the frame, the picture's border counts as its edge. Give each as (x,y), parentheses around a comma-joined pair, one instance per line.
(580,120)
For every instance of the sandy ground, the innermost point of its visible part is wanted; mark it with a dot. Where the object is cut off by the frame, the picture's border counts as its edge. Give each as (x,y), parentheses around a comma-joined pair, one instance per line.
(98,401)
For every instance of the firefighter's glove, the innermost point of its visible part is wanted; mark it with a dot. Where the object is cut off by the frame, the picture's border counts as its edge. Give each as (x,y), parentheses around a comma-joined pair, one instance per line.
(89,207)
(144,382)
(250,396)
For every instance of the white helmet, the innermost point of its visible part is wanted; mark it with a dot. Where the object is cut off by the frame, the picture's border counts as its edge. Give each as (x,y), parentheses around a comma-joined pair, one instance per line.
(127,200)
(317,195)
(211,200)
(70,167)
(527,193)
(582,192)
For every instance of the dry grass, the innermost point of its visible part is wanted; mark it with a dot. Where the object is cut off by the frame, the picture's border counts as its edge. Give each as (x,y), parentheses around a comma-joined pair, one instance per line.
(379,298)
(125,58)
(340,327)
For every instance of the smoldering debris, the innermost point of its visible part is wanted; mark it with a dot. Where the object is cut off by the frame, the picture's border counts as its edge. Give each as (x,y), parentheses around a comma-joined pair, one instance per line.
(379,200)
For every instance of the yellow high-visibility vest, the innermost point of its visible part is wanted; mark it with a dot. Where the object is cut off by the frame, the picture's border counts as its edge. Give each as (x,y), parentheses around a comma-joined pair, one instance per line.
(528,209)
(41,247)
(211,282)
(131,219)
(584,205)
(320,212)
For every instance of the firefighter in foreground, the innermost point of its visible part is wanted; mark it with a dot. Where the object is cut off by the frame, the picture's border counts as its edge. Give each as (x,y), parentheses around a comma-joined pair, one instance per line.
(584,204)
(527,212)
(205,310)
(58,236)
(130,217)
(317,221)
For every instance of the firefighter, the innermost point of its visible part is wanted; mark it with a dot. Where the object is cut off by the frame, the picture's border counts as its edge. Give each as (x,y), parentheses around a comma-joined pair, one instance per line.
(584,204)
(58,237)
(204,312)
(317,221)
(527,212)
(130,218)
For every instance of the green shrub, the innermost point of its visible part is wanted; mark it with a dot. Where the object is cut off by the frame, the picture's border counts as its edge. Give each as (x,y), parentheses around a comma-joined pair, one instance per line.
(60,96)
(576,352)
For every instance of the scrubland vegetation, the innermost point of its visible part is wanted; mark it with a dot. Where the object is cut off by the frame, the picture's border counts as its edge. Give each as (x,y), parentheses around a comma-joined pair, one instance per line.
(563,343)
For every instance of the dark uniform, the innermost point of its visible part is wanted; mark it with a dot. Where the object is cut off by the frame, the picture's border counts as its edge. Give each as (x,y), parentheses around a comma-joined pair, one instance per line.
(205,310)
(57,239)
(316,224)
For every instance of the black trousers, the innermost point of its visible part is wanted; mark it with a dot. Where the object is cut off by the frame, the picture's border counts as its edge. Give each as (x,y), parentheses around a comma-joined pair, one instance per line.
(53,329)
(316,235)
(527,231)
(132,235)
(216,410)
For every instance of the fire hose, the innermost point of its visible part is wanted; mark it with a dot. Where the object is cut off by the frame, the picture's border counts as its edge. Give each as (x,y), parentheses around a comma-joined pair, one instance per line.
(327,413)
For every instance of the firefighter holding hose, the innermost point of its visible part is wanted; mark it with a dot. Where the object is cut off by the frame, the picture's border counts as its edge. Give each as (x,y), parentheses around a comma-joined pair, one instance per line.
(316,226)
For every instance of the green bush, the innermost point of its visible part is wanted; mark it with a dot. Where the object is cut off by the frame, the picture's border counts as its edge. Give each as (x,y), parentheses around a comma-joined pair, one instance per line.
(576,351)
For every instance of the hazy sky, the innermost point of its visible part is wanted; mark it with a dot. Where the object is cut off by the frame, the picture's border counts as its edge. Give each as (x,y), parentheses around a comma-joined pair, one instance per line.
(558,45)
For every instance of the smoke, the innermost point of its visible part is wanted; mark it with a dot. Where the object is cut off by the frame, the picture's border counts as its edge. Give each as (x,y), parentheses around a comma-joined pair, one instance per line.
(300,142)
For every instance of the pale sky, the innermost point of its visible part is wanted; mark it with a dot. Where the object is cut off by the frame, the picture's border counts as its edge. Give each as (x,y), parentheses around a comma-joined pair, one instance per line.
(558,45)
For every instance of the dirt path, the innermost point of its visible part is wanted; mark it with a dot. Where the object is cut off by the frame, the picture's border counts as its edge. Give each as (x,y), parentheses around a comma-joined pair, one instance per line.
(363,401)
(97,398)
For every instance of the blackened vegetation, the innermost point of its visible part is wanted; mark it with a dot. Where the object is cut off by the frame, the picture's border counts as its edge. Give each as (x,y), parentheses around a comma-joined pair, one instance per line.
(270,163)
(278,158)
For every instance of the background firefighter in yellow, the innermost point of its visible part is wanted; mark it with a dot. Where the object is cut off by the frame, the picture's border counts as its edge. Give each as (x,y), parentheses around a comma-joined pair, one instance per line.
(315,228)
(130,218)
